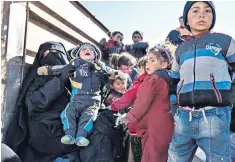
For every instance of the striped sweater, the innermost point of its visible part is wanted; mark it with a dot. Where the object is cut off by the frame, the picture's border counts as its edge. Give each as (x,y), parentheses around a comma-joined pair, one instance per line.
(200,70)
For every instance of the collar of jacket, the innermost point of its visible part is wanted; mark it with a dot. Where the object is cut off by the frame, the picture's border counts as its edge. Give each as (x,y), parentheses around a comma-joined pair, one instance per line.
(201,34)
(142,76)
(165,74)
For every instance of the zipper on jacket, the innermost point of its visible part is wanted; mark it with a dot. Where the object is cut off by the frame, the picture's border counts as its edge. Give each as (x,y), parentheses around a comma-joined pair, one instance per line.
(194,73)
(217,93)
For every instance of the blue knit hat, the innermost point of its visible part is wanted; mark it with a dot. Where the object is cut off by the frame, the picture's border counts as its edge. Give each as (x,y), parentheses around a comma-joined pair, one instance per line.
(187,7)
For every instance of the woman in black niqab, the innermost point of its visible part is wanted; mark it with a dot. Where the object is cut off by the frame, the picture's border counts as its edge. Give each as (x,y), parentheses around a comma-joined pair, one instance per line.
(35,131)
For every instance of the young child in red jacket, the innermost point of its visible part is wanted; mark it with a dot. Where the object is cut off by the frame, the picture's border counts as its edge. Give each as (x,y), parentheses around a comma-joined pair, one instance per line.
(116,88)
(129,96)
(125,102)
(151,109)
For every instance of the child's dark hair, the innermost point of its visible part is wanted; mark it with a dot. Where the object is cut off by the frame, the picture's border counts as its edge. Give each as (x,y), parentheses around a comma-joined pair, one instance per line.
(126,59)
(141,62)
(162,53)
(116,32)
(113,60)
(121,76)
(138,32)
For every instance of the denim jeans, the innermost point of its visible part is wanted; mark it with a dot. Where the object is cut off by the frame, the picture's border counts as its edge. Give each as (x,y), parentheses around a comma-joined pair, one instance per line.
(212,137)
(232,142)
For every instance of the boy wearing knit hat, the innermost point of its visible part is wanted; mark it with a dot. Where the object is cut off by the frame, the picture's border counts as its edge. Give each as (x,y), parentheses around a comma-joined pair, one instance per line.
(200,72)
(79,114)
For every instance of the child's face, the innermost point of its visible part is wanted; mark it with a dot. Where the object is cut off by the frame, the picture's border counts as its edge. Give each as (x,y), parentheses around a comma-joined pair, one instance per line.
(125,69)
(87,53)
(200,17)
(136,38)
(117,37)
(153,64)
(119,86)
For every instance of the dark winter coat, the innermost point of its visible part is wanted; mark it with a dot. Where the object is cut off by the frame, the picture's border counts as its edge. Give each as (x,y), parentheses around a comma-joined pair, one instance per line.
(105,141)
(138,49)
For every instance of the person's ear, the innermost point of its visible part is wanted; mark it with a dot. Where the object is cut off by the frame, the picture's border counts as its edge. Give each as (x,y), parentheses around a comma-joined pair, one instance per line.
(164,65)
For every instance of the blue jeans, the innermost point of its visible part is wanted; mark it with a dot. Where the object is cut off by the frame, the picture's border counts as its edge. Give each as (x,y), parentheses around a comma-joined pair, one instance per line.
(174,104)
(212,137)
(232,142)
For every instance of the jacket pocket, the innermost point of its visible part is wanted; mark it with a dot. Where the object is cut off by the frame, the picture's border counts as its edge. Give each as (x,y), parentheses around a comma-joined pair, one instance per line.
(179,91)
(216,91)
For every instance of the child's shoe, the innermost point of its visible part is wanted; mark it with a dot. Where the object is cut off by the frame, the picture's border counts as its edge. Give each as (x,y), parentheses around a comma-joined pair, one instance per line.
(82,141)
(68,140)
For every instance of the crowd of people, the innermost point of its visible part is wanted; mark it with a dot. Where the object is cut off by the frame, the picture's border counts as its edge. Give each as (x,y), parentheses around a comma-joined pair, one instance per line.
(130,103)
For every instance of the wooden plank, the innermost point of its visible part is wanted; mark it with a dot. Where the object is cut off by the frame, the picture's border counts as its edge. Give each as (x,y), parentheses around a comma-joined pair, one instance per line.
(16,31)
(56,16)
(37,34)
(56,25)
(77,18)
(86,12)
(14,57)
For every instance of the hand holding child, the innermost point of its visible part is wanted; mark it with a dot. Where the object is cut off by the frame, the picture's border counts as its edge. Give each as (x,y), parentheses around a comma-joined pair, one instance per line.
(124,121)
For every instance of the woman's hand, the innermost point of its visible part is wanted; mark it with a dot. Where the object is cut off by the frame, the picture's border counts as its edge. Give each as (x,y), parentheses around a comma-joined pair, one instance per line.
(63,72)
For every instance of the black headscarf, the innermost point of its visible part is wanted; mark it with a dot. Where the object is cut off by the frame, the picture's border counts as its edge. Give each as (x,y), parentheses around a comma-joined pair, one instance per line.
(60,57)
(15,128)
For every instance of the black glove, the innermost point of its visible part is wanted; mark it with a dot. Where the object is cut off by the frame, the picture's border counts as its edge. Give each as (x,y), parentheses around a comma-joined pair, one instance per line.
(63,72)
(66,72)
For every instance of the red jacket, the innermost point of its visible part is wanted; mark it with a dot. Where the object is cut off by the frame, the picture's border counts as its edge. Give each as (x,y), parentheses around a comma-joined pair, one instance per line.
(111,47)
(128,99)
(151,111)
